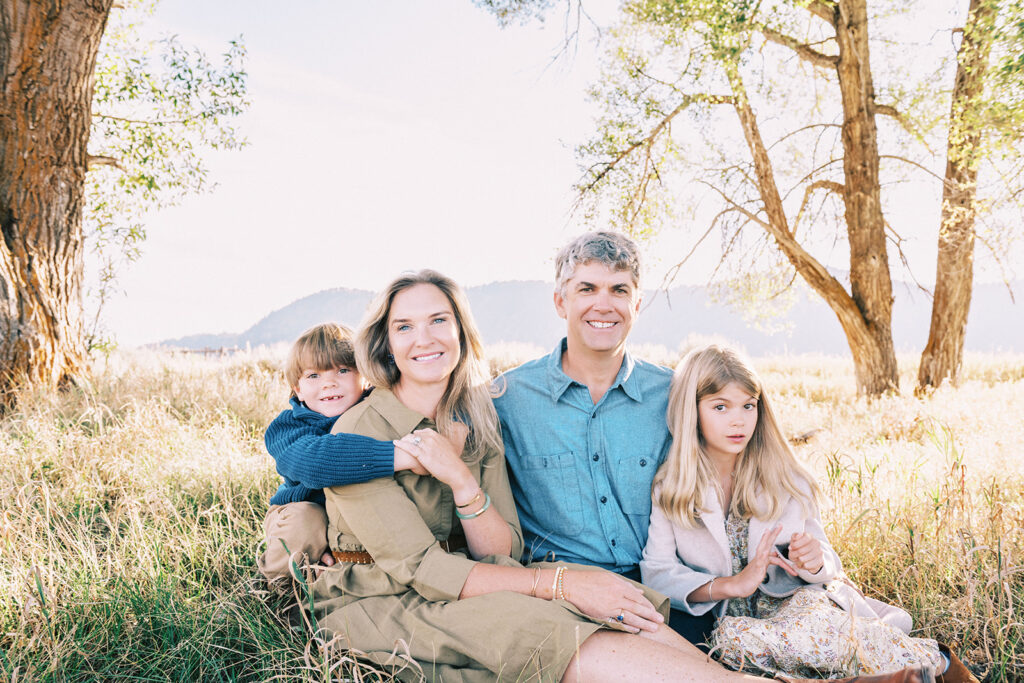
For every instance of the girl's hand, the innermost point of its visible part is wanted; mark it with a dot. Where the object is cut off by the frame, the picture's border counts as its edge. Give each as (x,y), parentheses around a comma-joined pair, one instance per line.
(442,458)
(603,595)
(744,584)
(806,553)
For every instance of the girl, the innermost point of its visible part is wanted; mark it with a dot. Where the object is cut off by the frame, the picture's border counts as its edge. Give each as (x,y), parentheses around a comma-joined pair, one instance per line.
(735,529)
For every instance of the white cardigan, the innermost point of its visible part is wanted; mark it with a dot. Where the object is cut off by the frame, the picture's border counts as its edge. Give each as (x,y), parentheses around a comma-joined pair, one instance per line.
(676,561)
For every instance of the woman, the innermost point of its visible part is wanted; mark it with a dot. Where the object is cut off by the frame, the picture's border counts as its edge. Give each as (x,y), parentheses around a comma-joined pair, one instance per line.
(476,614)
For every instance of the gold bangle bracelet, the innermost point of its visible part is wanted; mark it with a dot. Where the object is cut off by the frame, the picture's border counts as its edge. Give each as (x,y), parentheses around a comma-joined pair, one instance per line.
(536,580)
(479,493)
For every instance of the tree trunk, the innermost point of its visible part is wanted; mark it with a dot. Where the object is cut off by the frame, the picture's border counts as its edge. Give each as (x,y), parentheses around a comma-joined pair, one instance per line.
(859,336)
(954,273)
(870,283)
(47,57)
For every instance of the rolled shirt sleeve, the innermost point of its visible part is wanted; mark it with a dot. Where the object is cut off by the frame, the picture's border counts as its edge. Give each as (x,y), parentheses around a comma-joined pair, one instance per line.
(494,481)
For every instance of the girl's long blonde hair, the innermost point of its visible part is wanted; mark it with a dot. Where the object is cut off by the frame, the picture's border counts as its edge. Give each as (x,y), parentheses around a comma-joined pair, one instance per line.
(767,473)
(467,398)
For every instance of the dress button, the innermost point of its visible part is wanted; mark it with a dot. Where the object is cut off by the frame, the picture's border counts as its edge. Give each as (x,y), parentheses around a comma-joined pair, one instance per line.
(604,499)
(596,457)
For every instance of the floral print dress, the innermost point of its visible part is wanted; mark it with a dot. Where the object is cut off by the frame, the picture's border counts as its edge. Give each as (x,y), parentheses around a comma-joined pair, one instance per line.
(807,635)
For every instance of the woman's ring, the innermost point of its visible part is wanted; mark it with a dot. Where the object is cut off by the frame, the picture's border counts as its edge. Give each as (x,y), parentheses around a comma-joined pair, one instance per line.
(621,616)
(416,440)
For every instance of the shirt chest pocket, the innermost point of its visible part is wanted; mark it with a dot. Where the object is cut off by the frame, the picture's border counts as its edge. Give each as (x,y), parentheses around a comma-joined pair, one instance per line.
(632,479)
(555,496)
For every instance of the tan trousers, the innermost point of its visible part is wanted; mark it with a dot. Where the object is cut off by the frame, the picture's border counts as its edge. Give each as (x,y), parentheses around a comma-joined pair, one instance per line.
(302,527)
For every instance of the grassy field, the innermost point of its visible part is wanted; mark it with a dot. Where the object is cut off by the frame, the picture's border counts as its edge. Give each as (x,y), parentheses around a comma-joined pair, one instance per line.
(131,513)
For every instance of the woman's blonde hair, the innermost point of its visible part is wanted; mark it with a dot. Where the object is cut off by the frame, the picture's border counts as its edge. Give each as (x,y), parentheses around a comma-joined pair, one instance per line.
(467,398)
(766,474)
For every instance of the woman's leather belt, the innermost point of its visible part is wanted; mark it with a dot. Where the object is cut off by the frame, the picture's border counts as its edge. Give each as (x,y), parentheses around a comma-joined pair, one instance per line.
(453,542)
(353,556)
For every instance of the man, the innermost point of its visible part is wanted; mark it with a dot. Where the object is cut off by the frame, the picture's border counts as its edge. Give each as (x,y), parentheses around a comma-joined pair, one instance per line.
(584,427)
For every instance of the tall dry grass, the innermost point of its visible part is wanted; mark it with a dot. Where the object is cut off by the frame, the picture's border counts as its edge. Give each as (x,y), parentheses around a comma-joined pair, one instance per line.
(131,512)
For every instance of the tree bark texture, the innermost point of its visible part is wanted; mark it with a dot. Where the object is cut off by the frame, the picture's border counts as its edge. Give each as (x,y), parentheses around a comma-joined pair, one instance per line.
(954,273)
(870,282)
(47,57)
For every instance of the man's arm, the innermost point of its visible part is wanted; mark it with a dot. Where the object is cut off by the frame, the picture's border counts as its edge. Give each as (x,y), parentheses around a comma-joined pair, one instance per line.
(305,452)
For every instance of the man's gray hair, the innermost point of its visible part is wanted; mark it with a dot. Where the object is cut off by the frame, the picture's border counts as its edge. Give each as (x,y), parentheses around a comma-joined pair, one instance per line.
(613,249)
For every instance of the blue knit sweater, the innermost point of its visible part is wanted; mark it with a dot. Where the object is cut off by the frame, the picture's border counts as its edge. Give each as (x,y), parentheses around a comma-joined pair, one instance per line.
(310,458)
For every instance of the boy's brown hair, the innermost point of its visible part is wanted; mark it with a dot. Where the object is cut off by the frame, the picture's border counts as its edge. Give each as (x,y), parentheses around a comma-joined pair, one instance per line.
(322,347)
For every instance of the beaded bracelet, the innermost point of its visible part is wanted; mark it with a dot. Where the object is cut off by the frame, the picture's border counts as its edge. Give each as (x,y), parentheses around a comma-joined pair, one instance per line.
(557,586)
(474,515)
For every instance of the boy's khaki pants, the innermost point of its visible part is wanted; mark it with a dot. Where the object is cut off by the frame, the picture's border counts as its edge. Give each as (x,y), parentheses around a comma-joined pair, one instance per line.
(303,528)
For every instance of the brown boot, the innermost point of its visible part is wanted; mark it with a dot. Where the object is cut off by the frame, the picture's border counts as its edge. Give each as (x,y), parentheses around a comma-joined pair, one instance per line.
(957,672)
(914,674)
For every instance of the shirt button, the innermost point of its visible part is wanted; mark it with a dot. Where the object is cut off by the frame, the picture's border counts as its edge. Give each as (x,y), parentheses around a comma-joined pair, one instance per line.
(604,499)
(596,457)
(643,462)
(613,541)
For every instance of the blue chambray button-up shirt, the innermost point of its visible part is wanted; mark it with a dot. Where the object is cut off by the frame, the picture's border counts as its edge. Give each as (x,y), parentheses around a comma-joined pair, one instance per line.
(581,472)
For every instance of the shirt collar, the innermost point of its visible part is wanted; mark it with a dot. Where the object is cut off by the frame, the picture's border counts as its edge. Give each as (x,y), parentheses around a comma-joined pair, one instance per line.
(403,420)
(558,381)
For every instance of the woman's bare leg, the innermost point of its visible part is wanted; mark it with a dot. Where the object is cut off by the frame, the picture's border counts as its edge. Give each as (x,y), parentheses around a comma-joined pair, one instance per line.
(661,656)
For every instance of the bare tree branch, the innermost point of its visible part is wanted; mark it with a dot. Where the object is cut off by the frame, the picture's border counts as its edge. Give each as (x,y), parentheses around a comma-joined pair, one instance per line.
(805,52)
(830,185)
(648,141)
(139,121)
(93,161)
(890,111)
(801,130)
(823,9)
(914,163)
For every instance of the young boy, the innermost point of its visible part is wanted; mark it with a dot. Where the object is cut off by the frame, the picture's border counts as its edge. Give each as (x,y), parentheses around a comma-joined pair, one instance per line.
(321,371)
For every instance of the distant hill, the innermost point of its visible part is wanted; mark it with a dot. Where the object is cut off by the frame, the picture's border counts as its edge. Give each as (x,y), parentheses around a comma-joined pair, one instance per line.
(523,312)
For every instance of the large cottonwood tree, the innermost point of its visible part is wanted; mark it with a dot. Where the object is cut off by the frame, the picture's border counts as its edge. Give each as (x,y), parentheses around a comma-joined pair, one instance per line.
(774,106)
(47,59)
(139,125)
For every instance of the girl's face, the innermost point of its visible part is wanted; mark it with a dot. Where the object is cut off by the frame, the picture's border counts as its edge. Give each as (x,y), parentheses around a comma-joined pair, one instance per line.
(727,420)
(423,335)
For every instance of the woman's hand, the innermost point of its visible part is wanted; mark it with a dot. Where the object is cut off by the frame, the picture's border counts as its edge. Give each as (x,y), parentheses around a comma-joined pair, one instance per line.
(805,552)
(744,584)
(604,595)
(441,458)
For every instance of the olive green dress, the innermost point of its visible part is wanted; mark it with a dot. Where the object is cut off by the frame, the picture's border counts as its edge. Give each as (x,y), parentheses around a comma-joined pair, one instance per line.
(407,601)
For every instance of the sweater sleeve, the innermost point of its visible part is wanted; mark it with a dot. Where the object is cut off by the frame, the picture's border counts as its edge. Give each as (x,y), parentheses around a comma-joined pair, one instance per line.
(307,453)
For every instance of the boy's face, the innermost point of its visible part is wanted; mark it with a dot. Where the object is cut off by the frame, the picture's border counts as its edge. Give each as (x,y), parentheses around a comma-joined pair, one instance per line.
(329,392)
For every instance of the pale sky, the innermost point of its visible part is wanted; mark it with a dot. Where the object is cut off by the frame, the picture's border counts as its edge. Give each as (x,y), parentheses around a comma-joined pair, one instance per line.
(383,136)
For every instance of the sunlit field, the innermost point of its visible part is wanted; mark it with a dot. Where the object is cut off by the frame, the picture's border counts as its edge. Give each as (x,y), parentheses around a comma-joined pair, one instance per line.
(131,511)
